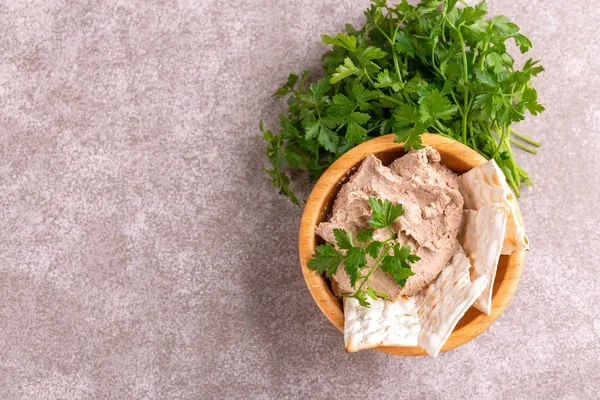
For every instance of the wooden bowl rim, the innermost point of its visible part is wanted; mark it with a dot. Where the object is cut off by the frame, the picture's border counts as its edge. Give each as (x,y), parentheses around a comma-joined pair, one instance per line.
(329,304)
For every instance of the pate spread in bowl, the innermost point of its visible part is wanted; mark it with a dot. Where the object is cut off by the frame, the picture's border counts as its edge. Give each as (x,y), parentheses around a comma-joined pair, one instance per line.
(429,310)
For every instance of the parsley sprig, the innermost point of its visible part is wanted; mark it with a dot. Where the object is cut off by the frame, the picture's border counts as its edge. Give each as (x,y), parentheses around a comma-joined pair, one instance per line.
(327,259)
(434,67)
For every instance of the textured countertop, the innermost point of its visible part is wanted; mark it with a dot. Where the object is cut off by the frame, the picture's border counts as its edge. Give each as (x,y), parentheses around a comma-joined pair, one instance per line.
(144,254)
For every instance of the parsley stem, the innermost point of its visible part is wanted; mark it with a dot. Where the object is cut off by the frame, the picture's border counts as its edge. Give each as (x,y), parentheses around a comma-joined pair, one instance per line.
(482,55)
(465,113)
(513,166)
(391,232)
(393,100)
(368,77)
(500,142)
(409,100)
(515,180)
(526,139)
(466,78)
(443,23)
(394,55)
(473,142)
(439,125)
(433,59)
(344,124)
(396,65)
(522,146)
(383,33)
(523,173)
(438,132)
(371,129)
(513,186)
(386,248)
(460,110)
(439,71)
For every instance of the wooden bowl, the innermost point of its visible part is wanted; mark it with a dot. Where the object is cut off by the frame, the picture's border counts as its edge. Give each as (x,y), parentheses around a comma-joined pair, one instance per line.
(455,156)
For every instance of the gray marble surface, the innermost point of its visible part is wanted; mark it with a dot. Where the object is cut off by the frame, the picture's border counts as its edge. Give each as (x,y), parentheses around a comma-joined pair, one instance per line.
(144,255)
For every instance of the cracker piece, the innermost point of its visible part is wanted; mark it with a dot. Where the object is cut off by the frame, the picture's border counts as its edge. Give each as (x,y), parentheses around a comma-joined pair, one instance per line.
(444,301)
(383,324)
(486,184)
(481,237)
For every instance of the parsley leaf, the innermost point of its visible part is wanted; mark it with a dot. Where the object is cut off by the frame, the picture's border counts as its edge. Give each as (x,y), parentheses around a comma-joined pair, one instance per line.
(399,265)
(344,71)
(436,106)
(439,66)
(343,239)
(404,44)
(364,235)
(328,139)
(362,96)
(362,298)
(327,259)
(341,40)
(373,248)
(356,258)
(288,87)
(355,133)
(395,268)
(341,105)
(411,136)
(406,115)
(386,79)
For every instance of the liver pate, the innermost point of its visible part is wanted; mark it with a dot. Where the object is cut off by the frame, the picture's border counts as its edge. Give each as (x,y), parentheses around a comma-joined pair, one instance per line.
(433,205)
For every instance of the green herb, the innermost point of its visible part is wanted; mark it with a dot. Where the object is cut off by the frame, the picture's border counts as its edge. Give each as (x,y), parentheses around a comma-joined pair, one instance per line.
(434,67)
(327,259)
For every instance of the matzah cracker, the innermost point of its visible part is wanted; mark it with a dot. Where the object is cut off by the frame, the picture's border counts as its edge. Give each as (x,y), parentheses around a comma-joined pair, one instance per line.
(486,184)
(444,301)
(481,237)
(383,324)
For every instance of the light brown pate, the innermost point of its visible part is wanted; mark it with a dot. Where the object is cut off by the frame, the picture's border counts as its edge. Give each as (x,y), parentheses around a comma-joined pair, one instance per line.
(433,205)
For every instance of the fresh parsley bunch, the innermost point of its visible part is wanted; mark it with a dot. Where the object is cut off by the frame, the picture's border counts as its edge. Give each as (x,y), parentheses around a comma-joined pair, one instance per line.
(327,259)
(434,67)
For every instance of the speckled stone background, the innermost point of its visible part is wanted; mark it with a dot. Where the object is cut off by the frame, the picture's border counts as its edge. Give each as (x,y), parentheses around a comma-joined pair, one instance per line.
(144,254)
